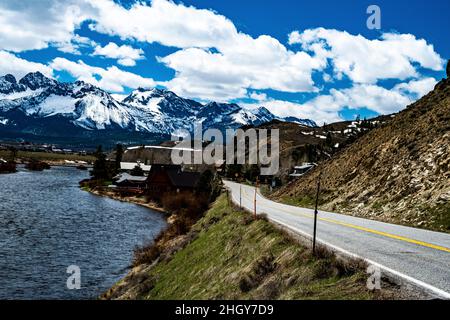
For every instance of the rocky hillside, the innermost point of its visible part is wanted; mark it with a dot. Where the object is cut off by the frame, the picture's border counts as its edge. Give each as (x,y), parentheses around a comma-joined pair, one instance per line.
(398,172)
(301,143)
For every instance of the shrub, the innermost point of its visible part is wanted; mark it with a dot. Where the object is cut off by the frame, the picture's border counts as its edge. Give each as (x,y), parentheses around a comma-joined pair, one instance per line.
(259,270)
(262,216)
(8,167)
(146,254)
(247,219)
(91,183)
(349,266)
(185,204)
(36,165)
(323,269)
(323,252)
(188,207)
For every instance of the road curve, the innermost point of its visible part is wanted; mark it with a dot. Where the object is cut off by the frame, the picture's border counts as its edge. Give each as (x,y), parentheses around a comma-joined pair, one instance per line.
(417,256)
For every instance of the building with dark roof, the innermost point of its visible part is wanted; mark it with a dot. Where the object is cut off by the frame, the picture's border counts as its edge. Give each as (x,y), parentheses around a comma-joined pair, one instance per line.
(170,178)
(126,180)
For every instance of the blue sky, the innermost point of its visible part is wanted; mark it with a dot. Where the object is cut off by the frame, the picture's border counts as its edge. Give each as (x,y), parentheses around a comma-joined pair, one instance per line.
(311,59)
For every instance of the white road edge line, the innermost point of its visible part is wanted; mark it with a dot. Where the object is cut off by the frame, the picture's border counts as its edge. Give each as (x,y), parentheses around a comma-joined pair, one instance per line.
(439,292)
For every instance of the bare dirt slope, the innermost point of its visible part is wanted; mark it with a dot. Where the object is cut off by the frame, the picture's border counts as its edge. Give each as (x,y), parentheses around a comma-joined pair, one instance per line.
(398,172)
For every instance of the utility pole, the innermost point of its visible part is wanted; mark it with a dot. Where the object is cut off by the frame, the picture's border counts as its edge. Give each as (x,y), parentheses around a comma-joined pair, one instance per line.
(254,202)
(315,214)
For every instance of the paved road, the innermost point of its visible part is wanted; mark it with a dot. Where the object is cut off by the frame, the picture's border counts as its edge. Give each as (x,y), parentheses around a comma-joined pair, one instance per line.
(418,256)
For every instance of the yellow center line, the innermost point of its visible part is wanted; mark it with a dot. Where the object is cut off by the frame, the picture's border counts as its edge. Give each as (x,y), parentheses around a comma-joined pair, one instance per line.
(349,225)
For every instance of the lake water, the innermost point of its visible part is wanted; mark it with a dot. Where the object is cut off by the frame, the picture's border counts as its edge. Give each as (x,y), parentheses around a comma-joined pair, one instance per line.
(47,224)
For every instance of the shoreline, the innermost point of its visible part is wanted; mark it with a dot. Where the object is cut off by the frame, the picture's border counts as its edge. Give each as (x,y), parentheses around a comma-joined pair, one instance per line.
(98,191)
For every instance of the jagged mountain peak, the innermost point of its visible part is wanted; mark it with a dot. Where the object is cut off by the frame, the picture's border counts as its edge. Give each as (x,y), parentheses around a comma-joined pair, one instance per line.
(36,80)
(219,108)
(8,84)
(144,94)
(303,122)
(82,88)
(8,78)
(263,110)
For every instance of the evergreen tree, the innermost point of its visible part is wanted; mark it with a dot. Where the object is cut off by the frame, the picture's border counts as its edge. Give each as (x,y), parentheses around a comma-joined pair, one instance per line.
(232,169)
(119,154)
(297,153)
(100,170)
(329,140)
(208,184)
(251,172)
(137,171)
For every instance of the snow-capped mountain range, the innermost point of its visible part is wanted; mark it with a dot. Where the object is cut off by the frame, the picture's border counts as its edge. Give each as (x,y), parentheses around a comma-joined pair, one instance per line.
(35,101)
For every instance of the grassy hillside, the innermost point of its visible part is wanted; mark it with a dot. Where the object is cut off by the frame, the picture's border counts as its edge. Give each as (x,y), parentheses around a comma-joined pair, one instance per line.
(228,255)
(398,172)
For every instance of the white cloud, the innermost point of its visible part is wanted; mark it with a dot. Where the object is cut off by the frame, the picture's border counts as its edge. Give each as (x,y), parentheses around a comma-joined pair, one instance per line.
(326,108)
(236,63)
(28,24)
(164,22)
(18,67)
(261,63)
(373,97)
(125,54)
(218,62)
(382,100)
(111,79)
(417,88)
(367,61)
(258,96)
(75,44)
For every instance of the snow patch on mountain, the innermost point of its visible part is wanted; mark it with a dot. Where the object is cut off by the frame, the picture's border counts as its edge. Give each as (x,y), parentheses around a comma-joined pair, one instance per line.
(53,105)
(4,121)
(20,94)
(99,112)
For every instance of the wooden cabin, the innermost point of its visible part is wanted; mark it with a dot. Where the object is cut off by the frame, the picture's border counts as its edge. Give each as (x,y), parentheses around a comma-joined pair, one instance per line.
(170,178)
